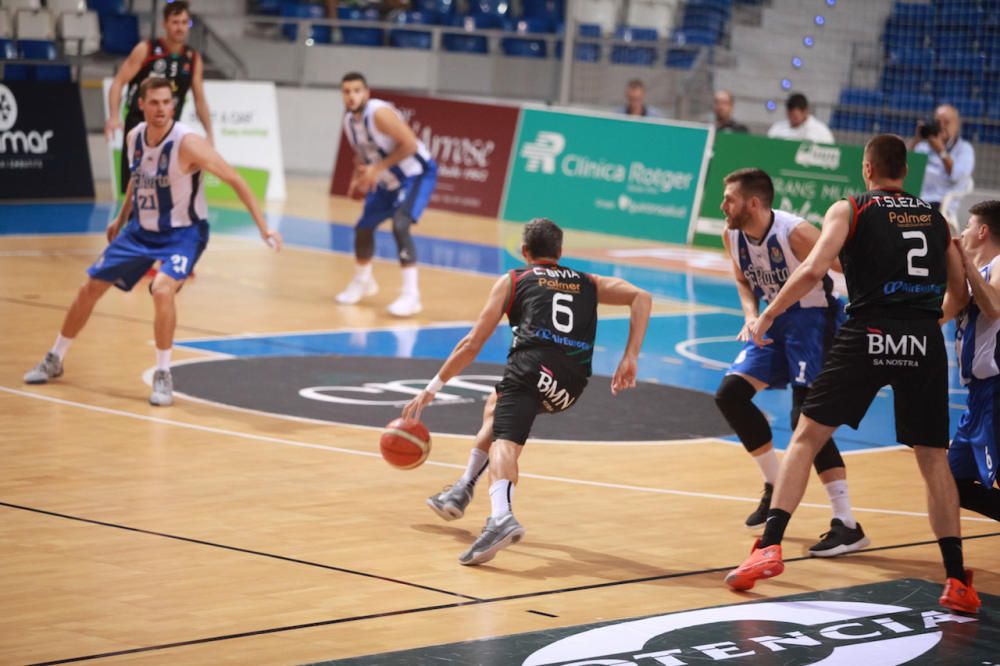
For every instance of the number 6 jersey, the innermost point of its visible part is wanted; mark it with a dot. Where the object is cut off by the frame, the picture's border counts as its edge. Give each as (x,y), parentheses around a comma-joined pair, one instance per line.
(163,196)
(553,307)
(894,257)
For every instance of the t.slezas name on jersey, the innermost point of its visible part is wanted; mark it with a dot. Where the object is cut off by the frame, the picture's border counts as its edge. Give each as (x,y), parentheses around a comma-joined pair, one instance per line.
(888,350)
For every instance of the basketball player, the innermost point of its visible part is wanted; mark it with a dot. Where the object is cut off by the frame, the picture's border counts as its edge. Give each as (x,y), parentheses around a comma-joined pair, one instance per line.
(166,213)
(552,310)
(766,245)
(168,57)
(973,454)
(898,261)
(396,174)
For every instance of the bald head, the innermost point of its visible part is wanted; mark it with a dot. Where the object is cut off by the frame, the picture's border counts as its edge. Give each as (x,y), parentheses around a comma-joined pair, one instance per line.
(947,117)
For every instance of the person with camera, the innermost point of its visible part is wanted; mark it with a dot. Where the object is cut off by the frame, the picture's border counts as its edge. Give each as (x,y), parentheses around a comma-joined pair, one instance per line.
(950,159)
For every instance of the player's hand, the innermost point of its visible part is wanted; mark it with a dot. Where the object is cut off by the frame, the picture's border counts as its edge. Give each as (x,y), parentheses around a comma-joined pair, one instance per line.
(113,229)
(415,407)
(113,123)
(366,177)
(746,333)
(624,375)
(760,327)
(273,239)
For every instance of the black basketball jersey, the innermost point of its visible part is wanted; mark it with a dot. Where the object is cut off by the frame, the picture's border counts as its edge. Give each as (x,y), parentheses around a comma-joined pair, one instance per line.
(178,68)
(894,256)
(554,307)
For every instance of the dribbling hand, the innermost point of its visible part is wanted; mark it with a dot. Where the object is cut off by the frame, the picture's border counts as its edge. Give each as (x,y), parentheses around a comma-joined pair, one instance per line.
(624,375)
(415,407)
(114,229)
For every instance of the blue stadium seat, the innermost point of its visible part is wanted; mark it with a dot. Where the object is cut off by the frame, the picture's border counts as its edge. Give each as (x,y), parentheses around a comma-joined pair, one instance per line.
(967,108)
(53,73)
(412,39)
(527,48)
(694,36)
(469,43)
(7,50)
(500,8)
(16,72)
(634,55)
(119,33)
(969,63)
(911,102)
(294,9)
(267,7)
(441,10)
(904,80)
(861,98)
(903,125)
(953,87)
(37,49)
(959,14)
(681,58)
(853,121)
(551,11)
(360,36)
(910,58)
(913,13)
(586,52)
(105,7)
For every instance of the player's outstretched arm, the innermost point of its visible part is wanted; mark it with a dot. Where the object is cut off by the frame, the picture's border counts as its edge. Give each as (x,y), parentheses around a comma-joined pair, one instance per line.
(615,291)
(836,224)
(803,239)
(198,153)
(467,349)
(125,73)
(200,102)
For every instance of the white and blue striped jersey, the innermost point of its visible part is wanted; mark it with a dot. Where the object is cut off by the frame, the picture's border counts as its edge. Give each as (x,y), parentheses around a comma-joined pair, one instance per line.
(163,196)
(976,339)
(372,145)
(767,265)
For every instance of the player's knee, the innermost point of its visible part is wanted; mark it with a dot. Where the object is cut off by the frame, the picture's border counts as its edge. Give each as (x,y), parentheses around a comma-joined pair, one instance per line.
(734,399)
(828,458)
(401,223)
(733,391)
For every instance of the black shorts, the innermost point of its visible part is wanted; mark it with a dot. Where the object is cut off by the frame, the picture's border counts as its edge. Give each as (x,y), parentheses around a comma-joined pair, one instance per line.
(534,382)
(908,355)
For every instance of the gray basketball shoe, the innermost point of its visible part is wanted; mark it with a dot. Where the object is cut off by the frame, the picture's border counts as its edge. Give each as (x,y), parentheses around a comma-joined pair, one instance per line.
(497,534)
(450,503)
(50,368)
(163,389)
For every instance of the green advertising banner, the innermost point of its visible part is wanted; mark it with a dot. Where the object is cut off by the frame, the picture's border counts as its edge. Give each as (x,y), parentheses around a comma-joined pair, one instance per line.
(808,177)
(606,174)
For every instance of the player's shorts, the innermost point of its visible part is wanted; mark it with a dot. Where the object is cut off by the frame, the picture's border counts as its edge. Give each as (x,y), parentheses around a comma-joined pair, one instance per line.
(135,249)
(801,338)
(908,355)
(534,381)
(973,452)
(411,197)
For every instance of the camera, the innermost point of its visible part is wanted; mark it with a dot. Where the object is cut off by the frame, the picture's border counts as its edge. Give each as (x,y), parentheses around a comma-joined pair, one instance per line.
(929,128)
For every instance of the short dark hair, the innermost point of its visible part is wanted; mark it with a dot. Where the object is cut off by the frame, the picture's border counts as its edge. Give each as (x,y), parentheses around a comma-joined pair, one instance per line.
(354,76)
(174,7)
(887,155)
(988,213)
(636,83)
(543,238)
(152,83)
(797,101)
(754,183)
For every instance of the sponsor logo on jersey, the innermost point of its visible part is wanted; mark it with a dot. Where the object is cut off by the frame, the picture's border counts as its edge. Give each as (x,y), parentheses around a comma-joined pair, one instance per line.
(881,345)
(910,219)
(160,66)
(901,286)
(777,256)
(164,160)
(554,399)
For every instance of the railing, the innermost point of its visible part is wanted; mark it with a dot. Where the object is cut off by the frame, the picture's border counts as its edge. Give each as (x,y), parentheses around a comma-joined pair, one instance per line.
(215,50)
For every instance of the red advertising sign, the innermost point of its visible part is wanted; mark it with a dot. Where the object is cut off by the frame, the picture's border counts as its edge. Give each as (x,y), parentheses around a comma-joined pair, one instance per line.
(470,142)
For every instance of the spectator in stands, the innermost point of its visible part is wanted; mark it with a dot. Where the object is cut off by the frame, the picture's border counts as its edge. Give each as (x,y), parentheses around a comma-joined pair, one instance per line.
(635,101)
(801,125)
(722,106)
(950,159)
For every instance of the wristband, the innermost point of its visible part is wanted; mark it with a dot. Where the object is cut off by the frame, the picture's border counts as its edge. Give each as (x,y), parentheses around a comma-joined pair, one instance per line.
(435,384)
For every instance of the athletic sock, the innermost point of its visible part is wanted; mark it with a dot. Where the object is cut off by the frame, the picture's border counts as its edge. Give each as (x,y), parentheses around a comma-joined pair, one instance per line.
(769,465)
(363,271)
(951,552)
(479,460)
(410,281)
(61,346)
(163,359)
(501,496)
(774,528)
(841,503)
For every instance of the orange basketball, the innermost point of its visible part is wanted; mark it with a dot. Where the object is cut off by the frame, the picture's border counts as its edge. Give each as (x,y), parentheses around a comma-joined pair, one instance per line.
(405,443)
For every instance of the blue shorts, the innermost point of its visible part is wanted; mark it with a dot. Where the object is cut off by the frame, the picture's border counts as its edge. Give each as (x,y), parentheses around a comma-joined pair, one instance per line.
(135,249)
(412,197)
(973,451)
(801,338)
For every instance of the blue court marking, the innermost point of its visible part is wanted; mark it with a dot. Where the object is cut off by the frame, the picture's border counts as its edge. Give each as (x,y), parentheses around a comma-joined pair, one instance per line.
(659,362)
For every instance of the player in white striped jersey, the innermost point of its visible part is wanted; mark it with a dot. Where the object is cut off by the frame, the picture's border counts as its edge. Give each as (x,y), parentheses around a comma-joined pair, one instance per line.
(166,213)
(973,454)
(766,246)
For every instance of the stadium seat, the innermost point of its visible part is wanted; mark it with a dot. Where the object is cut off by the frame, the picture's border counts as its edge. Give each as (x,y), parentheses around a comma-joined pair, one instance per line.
(682,58)
(7,50)
(412,39)
(80,33)
(852,121)
(52,73)
(598,12)
(913,13)
(653,14)
(13,71)
(499,8)
(967,108)
(903,125)
(119,33)
(29,24)
(527,48)
(321,34)
(360,36)
(587,52)
(57,7)
(107,7)
(469,43)
(551,11)
(14,6)
(861,98)
(6,25)
(36,49)
(634,55)
(910,102)
(441,10)
(694,36)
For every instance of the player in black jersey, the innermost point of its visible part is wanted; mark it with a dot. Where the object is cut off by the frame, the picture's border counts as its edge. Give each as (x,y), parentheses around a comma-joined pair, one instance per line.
(168,57)
(552,310)
(899,262)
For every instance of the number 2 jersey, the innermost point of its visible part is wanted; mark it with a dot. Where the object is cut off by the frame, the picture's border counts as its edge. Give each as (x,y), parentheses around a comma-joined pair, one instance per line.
(553,309)
(163,196)
(894,256)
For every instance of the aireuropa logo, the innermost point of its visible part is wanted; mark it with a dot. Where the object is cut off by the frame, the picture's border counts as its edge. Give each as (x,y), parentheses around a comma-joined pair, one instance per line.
(543,151)
(834,633)
(8,108)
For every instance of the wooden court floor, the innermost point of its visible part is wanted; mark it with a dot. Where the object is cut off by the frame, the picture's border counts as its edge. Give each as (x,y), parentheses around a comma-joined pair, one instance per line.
(199,534)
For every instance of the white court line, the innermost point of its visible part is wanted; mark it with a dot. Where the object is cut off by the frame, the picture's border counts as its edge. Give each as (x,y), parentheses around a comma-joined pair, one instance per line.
(368,454)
